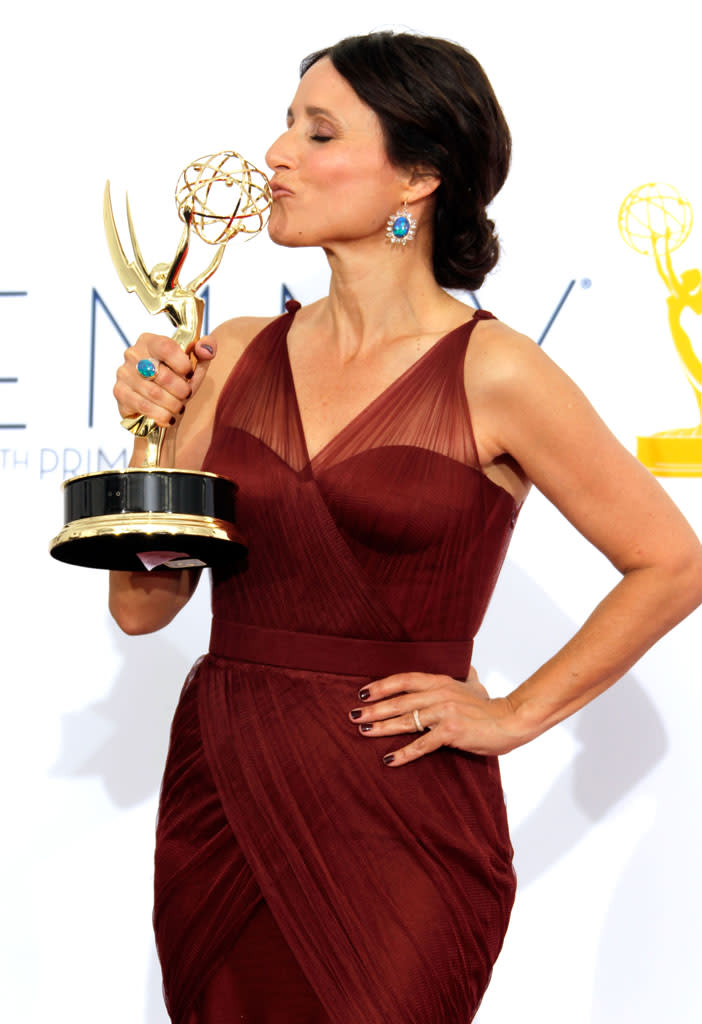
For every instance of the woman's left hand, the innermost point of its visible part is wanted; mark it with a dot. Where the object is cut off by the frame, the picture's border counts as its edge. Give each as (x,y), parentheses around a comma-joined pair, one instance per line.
(452,713)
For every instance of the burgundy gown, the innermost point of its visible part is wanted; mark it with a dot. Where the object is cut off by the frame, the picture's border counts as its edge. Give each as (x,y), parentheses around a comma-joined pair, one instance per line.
(299,880)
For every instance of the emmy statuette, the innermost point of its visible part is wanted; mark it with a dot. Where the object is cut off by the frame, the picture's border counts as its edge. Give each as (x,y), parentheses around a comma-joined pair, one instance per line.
(655,220)
(157,515)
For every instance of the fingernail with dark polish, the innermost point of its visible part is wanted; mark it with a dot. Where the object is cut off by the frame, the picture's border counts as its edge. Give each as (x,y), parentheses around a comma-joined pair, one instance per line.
(208,348)
(172,420)
(363,694)
(182,410)
(189,376)
(366,727)
(388,759)
(356,713)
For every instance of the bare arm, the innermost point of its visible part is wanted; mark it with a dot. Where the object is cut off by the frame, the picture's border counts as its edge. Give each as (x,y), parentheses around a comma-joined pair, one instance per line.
(143,602)
(527,410)
(560,442)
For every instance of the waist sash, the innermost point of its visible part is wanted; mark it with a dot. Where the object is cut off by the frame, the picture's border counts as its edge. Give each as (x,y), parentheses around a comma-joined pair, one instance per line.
(338,655)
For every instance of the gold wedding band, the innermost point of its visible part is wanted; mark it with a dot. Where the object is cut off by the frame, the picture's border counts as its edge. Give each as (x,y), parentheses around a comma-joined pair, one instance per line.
(417,721)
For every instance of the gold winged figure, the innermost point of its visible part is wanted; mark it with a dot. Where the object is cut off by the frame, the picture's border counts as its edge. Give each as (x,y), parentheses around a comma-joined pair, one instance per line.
(159,292)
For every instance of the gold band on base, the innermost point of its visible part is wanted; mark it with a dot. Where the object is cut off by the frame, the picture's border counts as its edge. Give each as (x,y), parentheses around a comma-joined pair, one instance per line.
(148,524)
(117,542)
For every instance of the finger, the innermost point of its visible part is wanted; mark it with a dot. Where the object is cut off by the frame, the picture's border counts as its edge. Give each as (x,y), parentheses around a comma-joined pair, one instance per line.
(397,725)
(402,682)
(199,372)
(425,744)
(163,396)
(444,726)
(172,365)
(136,396)
(131,403)
(202,354)
(165,379)
(447,713)
(166,350)
(443,691)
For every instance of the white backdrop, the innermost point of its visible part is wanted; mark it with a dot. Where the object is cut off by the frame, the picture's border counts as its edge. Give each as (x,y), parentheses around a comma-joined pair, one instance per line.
(605,808)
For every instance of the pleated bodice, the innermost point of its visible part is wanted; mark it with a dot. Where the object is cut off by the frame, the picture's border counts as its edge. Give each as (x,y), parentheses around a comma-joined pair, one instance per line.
(390,532)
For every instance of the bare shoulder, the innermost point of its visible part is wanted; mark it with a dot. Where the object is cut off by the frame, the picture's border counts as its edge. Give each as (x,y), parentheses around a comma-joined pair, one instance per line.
(241,329)
(233,337)
(231,340)
(499,356)
(506,375)
(530,416)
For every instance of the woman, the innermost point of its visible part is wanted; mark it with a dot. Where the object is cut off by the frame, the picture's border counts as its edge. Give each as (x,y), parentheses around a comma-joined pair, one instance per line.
(332,842)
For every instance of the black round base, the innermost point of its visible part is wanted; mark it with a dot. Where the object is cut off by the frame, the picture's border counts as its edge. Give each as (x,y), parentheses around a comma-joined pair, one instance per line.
(113,517)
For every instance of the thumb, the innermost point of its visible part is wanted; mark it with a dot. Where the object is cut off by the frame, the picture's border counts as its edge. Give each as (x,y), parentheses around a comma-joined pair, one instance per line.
(201,355)
(474,682)
(205,348)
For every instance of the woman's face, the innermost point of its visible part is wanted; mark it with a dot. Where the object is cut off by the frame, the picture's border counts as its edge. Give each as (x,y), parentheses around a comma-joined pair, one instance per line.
(332,180)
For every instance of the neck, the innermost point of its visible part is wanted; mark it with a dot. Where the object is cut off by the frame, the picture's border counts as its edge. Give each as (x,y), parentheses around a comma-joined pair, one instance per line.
(380,291)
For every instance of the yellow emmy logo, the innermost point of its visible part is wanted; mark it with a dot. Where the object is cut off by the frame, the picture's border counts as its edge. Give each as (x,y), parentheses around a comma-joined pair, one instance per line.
(656,220)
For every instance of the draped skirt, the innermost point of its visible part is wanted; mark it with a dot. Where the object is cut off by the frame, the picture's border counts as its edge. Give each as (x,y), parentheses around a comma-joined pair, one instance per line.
(298,878)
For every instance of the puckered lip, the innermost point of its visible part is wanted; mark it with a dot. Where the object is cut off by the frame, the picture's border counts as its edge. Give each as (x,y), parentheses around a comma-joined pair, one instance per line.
(278,190)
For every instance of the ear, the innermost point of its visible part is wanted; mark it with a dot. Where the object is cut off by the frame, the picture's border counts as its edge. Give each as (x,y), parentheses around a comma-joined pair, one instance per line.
(421,182)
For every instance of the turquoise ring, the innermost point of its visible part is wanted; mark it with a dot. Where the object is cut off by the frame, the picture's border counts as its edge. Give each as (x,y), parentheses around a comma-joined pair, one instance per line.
(147,368)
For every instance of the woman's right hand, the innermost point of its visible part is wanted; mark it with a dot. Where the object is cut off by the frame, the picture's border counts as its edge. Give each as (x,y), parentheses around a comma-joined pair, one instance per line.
(142,602)
(163,397)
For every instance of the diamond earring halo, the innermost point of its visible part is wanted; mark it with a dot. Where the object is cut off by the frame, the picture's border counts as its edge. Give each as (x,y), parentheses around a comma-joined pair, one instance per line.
(401,227)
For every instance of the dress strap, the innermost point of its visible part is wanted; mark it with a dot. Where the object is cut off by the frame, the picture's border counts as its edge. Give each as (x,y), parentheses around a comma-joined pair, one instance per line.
(338,655)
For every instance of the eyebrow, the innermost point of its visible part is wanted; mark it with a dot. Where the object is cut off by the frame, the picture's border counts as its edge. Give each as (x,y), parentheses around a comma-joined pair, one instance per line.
(314,112)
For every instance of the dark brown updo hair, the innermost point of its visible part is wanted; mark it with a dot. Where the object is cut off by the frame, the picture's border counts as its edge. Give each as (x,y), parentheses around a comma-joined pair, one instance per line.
(438,112)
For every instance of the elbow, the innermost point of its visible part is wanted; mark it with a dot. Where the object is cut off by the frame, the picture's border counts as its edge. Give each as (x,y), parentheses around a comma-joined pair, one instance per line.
(134,624)
(137,618)
(132,627)
(686,577)
(696,585)
(144,603)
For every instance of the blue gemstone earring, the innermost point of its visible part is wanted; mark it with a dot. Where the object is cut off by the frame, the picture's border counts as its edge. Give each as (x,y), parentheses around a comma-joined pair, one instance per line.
(401,226)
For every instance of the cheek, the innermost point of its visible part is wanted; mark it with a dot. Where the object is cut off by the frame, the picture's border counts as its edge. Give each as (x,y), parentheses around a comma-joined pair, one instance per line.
(356,171)
(368,194)
(339,173)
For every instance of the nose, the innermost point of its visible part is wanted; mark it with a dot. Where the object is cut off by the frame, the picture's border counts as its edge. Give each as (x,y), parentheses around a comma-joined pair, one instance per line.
(280,154)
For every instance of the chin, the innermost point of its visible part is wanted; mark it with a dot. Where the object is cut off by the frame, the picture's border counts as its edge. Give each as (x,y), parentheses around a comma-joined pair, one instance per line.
(287,238)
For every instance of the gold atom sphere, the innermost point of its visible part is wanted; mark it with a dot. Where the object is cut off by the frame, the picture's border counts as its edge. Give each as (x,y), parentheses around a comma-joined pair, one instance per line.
(228,196)
(655,211)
